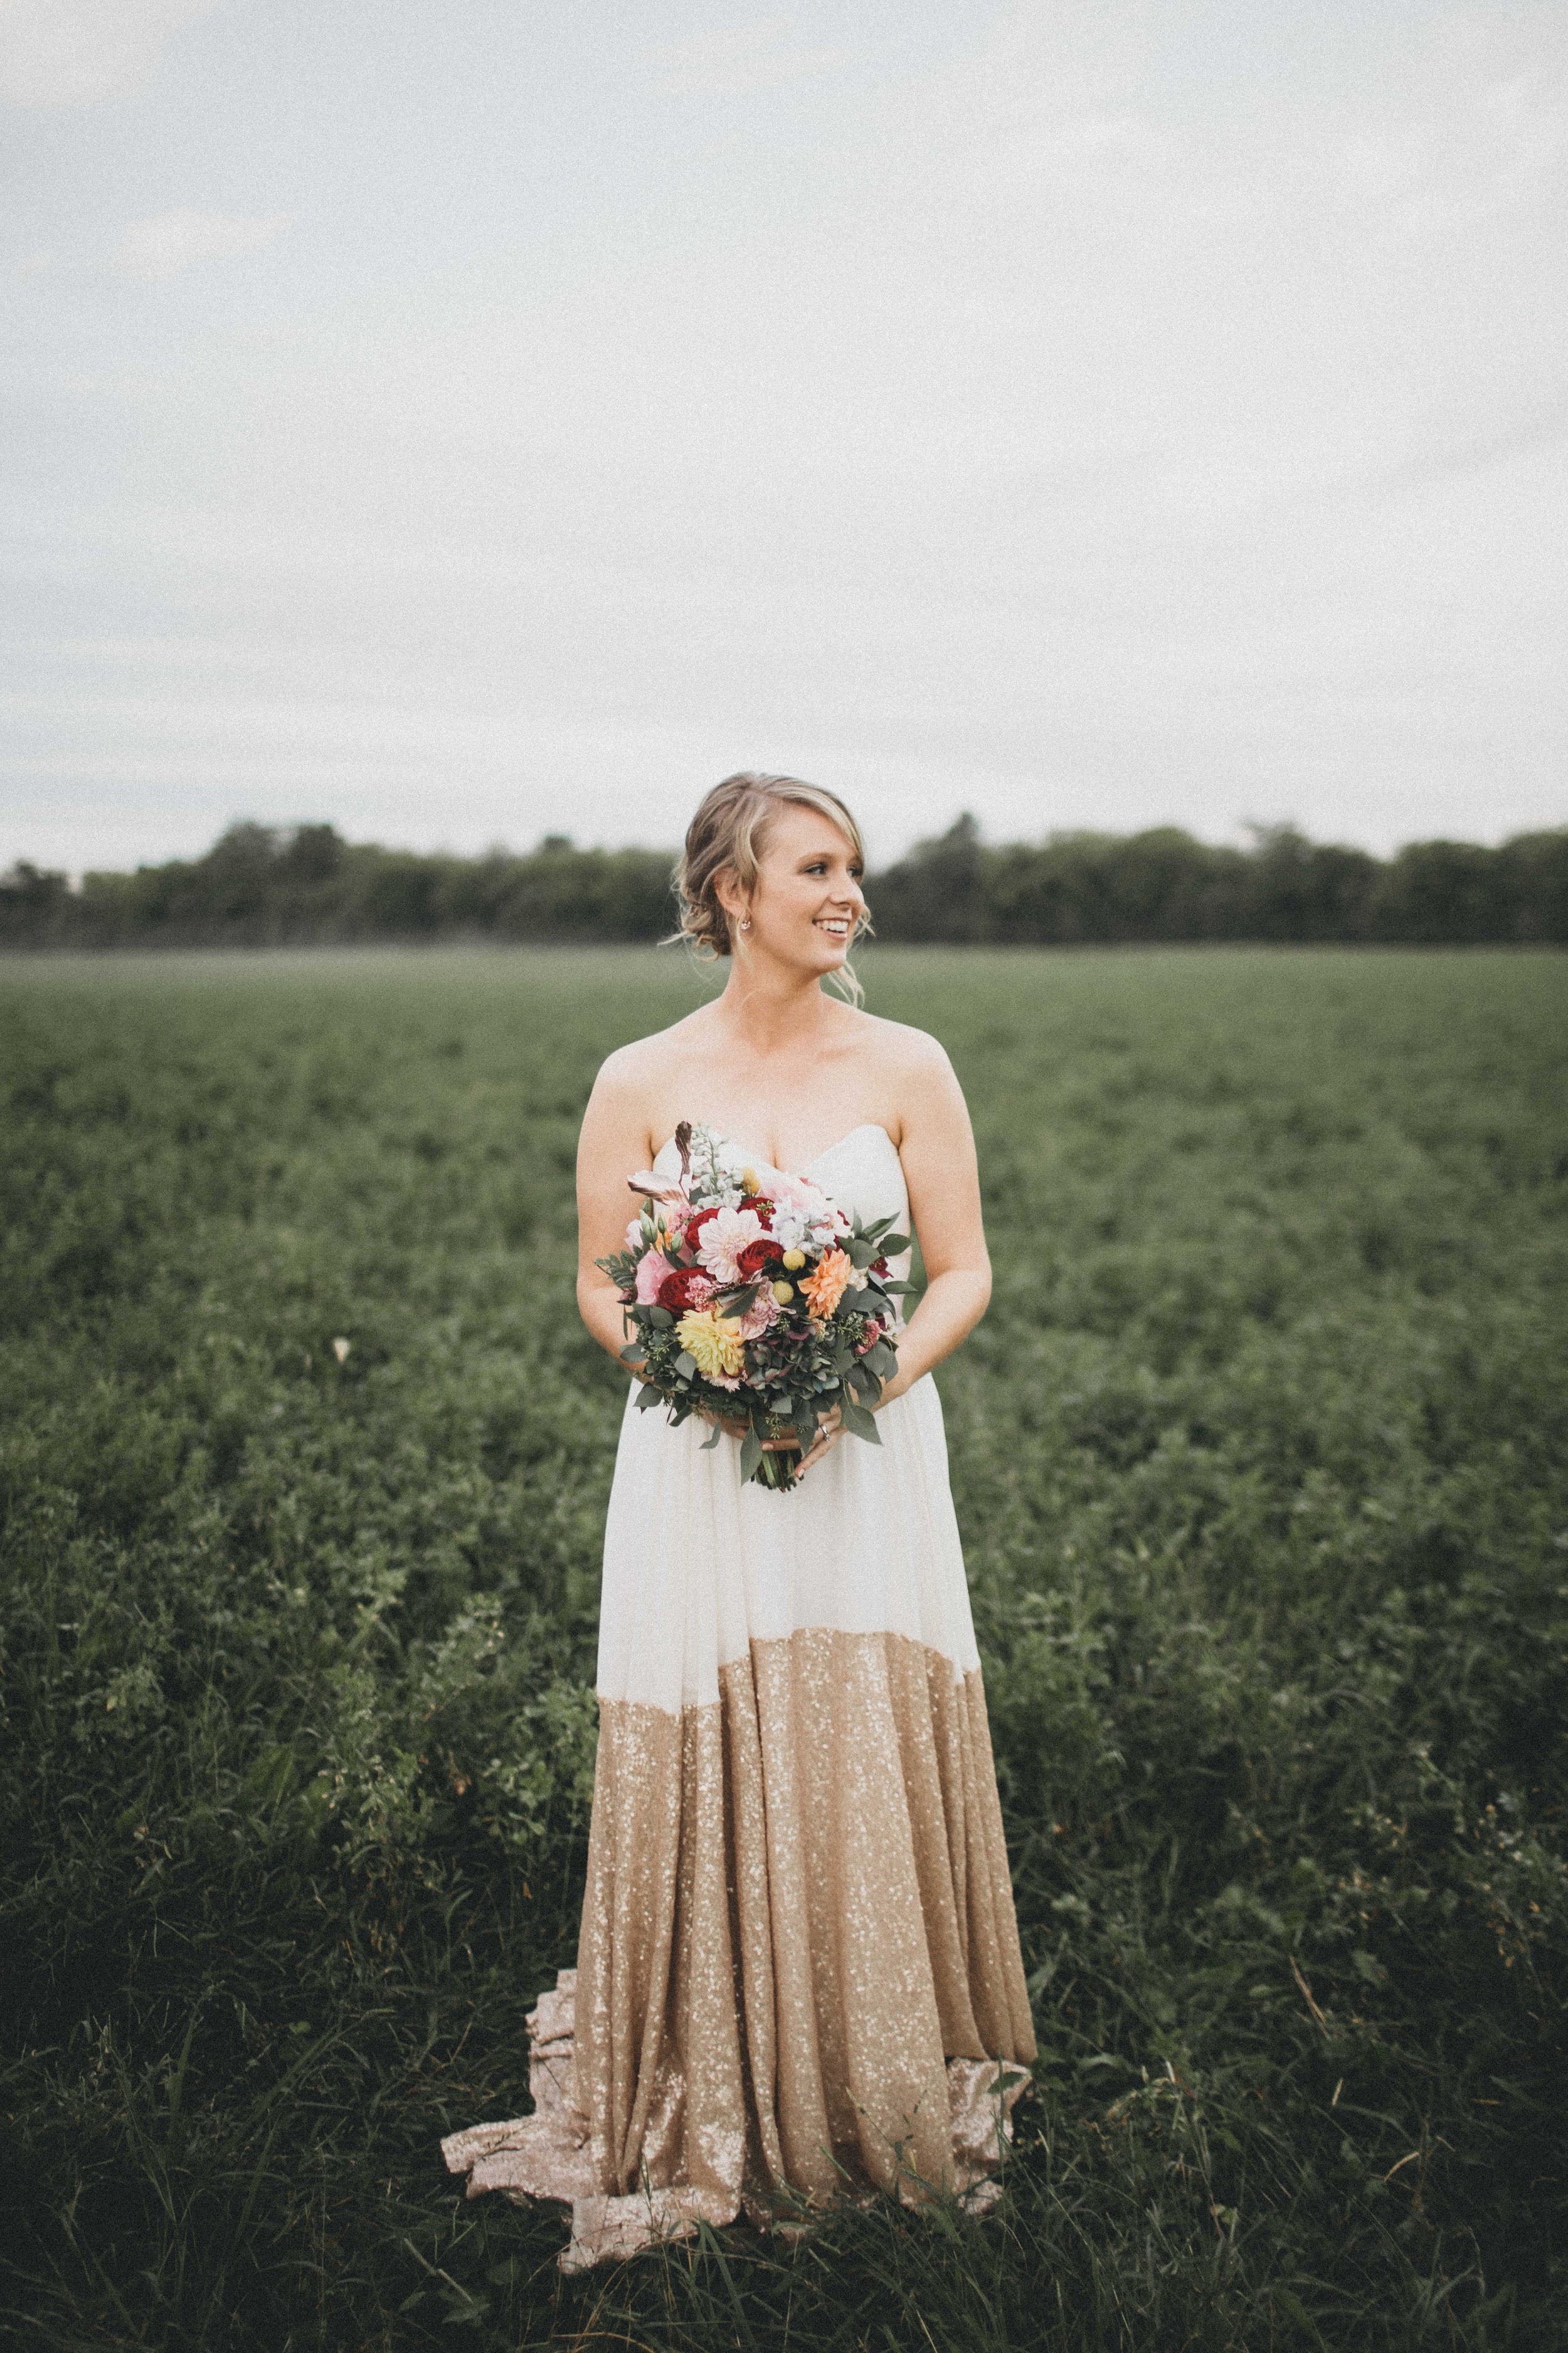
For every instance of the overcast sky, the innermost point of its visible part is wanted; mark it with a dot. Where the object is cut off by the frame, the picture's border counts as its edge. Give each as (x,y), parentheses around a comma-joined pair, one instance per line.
(462,420)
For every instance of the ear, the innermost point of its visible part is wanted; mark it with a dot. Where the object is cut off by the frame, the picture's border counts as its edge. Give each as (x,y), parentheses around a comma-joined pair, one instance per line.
(731,897)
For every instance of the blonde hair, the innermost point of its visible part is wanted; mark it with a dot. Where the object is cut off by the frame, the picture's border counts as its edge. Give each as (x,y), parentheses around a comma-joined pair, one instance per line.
(729,832)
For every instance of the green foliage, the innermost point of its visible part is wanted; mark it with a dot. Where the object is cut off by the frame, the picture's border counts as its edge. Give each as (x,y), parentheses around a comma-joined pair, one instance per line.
(1260,1460)
(260,885)
(1086,888)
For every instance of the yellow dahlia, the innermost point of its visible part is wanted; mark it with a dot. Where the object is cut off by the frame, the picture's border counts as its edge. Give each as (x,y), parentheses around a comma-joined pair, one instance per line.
(713,1341)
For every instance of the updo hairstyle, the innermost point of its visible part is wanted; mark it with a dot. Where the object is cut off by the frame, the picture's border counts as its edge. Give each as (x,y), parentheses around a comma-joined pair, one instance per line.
(728,830)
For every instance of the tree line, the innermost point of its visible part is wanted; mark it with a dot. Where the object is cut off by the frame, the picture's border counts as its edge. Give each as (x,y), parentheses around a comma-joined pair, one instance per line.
(267,886)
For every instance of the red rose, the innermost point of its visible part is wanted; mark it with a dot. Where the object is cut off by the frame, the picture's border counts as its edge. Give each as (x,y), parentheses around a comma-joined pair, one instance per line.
(675,1291)
(761,1203)
(758,1256)
(695,1224)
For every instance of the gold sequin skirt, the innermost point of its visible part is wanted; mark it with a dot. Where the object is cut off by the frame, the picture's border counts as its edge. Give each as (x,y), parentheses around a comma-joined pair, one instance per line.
(799,1976)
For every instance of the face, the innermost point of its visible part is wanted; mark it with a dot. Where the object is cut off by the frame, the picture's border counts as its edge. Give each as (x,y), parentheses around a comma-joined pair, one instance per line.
(807,898)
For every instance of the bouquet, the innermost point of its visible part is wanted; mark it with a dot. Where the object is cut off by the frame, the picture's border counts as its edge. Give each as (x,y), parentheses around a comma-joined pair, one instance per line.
(754,1297)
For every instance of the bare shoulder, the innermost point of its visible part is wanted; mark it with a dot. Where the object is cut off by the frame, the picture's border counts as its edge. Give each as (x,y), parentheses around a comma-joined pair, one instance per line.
(642,1061)
(631,1084)
(913,1078)
(904,1051)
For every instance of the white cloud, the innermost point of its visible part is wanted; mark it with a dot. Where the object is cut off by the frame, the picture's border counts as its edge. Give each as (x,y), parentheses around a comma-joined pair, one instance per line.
(735,60)
(165,243)
(78,52)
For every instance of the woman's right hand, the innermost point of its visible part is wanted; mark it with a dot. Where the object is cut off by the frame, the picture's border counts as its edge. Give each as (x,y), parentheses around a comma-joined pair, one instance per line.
(738,1429)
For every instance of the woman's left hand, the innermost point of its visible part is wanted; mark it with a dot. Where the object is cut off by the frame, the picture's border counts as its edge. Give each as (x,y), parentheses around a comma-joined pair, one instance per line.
(830,1425)
(828,1434)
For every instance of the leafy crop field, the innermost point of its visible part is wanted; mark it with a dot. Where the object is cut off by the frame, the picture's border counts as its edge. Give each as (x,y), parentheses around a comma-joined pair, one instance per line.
(1261,1458)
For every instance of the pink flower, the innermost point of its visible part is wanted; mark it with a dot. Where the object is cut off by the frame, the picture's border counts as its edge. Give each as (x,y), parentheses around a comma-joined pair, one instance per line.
(761,1315)
(652,1268)
(793,1192)
(670,1190)
(723,1238)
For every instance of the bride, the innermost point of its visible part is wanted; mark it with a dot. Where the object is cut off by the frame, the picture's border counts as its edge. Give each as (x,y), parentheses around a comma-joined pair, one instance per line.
(799,1964)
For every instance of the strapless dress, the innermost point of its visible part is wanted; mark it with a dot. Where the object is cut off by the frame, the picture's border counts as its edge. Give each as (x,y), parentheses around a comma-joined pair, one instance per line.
(799,1974)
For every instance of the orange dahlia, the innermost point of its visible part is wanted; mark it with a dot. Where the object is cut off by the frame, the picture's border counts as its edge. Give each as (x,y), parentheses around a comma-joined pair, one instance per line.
(826,1284)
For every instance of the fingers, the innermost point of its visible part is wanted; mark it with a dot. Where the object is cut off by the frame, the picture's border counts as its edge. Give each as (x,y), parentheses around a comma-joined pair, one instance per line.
(828,1431)
(828,1434)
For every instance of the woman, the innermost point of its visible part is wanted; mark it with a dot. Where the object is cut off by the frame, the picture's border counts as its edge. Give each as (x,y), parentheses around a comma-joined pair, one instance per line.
(799,1964)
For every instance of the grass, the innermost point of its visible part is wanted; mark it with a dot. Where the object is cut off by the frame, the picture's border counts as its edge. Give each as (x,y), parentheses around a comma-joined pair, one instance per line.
(1261,1458)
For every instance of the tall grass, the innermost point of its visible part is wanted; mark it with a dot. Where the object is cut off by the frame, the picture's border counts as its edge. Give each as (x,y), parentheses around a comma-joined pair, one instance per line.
(1260,1460)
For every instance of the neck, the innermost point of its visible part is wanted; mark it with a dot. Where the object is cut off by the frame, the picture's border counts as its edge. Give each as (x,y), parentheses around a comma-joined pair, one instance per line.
(770,1008)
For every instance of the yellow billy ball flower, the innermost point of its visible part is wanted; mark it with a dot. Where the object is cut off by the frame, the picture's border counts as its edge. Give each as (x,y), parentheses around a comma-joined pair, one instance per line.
(714,1342)
(793,1258)
(749,1181)
(783,1293)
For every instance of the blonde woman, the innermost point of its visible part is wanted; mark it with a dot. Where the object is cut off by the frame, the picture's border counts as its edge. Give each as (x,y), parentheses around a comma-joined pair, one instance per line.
(799,1963)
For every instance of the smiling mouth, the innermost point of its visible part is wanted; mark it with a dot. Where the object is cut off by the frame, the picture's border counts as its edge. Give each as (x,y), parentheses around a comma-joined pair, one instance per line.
(834,926)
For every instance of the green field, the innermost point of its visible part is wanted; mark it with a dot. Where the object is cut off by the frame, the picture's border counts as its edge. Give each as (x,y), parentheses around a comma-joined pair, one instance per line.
(1261,1458)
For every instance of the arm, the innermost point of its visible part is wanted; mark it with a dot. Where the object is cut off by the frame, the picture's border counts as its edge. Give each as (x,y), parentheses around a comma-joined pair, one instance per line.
(613,1144)
(940,1168)
(937,1148)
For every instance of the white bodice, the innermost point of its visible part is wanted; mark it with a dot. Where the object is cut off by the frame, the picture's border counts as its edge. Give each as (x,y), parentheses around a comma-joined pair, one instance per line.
(698,1566)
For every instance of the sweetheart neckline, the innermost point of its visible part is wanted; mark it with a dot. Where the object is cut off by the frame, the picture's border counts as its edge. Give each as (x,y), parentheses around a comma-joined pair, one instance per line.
(772,1165)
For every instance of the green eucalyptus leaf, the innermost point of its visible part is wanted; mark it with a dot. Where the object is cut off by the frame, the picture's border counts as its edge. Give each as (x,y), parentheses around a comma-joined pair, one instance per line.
(858,1422)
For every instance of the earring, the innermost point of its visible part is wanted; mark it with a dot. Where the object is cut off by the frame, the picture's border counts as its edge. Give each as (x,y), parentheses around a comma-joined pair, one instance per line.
(745,923)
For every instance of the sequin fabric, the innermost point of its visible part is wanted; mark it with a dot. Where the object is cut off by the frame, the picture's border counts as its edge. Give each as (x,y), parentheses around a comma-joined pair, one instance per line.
(798,1978)
(799,1968)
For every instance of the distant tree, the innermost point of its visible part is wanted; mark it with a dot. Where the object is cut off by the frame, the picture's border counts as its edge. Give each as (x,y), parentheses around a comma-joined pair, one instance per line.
(261,884)
(1436,893)
(940,892)
(1535,871)
(1302,890)
(312,853)
(34,906)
